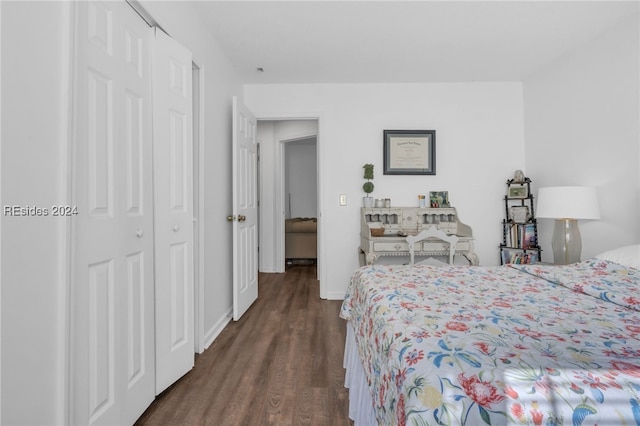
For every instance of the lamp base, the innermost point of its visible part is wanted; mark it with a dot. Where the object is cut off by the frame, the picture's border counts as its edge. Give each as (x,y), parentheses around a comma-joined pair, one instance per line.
(566,242)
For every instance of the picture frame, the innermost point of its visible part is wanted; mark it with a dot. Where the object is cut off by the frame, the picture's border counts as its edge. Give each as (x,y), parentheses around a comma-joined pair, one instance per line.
(409,152)
(518,191)
(439,199)
(519,214)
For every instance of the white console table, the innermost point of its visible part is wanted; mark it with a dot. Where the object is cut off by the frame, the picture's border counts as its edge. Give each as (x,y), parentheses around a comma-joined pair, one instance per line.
(401,221)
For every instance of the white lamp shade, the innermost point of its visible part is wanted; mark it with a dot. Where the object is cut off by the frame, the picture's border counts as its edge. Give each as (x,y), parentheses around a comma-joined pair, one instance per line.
(568,202)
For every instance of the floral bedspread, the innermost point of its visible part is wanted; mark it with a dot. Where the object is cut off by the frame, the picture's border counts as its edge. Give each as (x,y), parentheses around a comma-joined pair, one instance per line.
(460,345)
(598,278)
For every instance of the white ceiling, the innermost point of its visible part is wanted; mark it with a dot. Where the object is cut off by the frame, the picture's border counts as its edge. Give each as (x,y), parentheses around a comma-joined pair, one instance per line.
(309,41)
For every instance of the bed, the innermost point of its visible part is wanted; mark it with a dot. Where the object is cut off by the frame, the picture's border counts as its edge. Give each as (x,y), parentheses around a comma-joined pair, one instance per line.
(513,344)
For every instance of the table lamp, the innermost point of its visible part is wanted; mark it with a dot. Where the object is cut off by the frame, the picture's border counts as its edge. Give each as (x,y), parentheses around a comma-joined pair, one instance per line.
(567,204)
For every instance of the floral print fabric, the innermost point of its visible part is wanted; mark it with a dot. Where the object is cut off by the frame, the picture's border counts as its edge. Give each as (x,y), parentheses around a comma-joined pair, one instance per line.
(459,345)
(599,278)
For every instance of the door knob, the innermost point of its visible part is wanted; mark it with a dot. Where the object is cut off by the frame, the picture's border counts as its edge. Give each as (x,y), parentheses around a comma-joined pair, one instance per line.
(176,228)
(139,233)
(231,218)
(241,218)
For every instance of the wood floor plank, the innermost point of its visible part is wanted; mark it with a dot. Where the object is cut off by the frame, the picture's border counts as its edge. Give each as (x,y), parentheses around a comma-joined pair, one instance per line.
(281,364)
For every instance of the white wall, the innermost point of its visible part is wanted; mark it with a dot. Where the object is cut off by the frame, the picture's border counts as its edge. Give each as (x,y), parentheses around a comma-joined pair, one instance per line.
(182,23)
(301,178)
(34,137)
(479,144)
(581,128)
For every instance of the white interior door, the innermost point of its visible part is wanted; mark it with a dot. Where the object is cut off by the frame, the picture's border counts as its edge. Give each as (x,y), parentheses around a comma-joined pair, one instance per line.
(112,308)
(173,190)
(245,210)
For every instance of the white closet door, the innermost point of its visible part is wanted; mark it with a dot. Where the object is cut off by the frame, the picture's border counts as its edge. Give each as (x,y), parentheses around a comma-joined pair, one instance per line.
(173,181)
(112,312)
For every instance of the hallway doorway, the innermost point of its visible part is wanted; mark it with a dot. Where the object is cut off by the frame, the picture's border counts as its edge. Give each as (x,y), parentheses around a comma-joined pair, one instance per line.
(289,183)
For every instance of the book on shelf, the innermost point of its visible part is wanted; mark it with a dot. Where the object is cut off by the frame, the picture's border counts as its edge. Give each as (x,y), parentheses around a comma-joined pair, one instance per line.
(529,236)
(519,257)
(522,235)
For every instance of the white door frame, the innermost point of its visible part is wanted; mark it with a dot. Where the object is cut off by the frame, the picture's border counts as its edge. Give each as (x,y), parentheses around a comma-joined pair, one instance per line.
(279,196)
(198,198)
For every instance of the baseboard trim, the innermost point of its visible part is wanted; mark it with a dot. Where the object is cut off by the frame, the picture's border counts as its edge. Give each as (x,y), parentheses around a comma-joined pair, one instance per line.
(336,295)
(217,328)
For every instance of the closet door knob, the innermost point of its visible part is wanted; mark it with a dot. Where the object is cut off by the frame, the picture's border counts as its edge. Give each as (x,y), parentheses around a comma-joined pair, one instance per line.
(139,233)
(241,218)
(176,228)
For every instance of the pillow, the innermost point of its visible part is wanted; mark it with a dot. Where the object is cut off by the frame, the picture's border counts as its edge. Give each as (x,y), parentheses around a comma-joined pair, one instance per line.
(627,256)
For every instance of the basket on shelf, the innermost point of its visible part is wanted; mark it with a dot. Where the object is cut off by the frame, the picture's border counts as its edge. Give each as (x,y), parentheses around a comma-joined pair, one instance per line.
(377,232)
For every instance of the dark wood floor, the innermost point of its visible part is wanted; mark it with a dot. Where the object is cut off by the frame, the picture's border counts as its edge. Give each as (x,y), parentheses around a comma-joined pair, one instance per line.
(281,364)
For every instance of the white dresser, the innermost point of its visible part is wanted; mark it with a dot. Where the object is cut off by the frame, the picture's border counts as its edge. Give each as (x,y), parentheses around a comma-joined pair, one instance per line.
(398,222)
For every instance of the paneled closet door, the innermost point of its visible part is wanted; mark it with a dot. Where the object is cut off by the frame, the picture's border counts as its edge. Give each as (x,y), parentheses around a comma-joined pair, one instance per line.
(112,304)
(173,182)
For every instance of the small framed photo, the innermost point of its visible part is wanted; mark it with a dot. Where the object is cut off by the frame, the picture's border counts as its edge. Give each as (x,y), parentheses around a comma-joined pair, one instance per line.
(438,199)
(518,191)
(519,214)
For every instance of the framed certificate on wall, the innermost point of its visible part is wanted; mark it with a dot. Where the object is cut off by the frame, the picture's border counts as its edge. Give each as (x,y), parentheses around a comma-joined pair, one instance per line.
(409,152)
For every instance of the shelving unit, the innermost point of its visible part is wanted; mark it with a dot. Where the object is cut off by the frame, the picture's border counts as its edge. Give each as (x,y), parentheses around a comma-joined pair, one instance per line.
(519,226)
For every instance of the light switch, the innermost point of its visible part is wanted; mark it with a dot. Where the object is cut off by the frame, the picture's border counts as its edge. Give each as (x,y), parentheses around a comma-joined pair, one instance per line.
(343,199)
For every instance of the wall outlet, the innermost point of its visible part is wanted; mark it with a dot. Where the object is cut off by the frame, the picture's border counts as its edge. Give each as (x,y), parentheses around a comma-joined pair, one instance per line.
(343,199)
